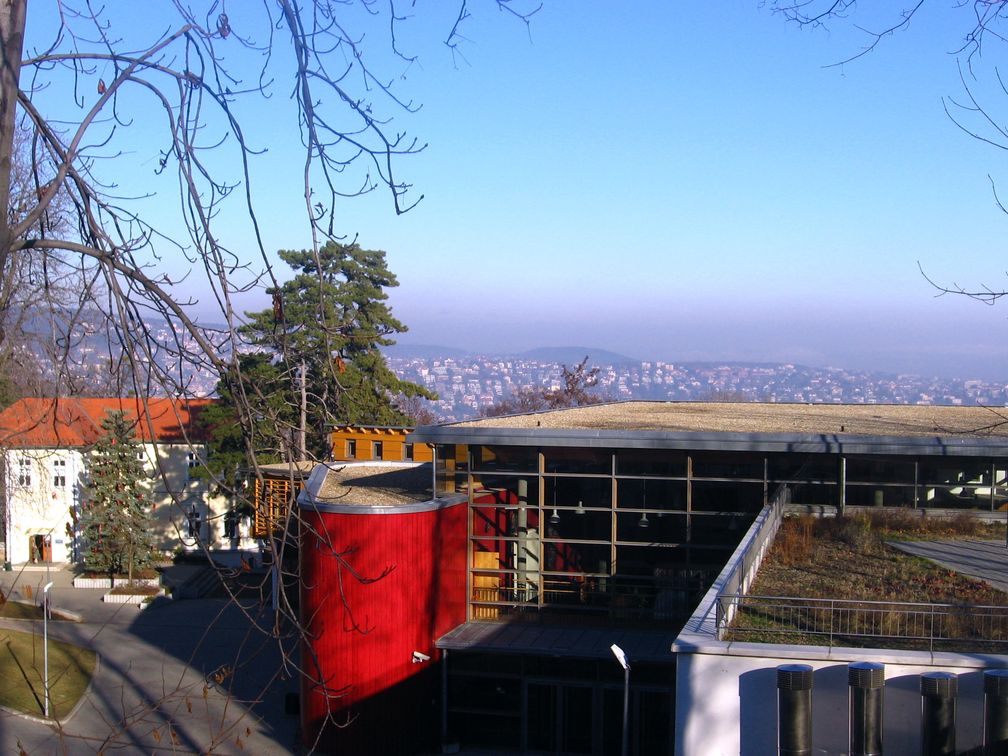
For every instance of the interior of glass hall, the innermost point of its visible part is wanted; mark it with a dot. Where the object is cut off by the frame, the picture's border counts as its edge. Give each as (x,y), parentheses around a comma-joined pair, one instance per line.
(618,536)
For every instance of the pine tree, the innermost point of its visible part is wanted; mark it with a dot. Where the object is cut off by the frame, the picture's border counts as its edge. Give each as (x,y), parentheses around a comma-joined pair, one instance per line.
(324,332)
(116,519)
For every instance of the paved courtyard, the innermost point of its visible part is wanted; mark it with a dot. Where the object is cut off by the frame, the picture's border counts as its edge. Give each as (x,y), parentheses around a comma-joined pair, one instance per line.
(984,560)
(178,677)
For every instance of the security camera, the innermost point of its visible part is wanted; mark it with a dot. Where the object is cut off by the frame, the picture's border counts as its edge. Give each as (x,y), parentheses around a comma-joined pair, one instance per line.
(419,658)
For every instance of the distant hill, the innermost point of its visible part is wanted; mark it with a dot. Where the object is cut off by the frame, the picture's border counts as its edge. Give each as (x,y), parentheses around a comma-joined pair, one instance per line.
(572,355)
(568,355)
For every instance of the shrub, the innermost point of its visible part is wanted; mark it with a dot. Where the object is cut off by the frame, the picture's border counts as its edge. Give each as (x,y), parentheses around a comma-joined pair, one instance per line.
(895,520)
(856,531)
(793,543)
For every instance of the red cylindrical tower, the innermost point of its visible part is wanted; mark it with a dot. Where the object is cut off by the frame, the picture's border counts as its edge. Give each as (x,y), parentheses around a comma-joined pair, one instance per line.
(380,583)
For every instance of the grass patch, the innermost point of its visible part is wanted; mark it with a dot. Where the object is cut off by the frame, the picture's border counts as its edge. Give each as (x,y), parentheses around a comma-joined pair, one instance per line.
(21,610)
(848,558)
(22,666)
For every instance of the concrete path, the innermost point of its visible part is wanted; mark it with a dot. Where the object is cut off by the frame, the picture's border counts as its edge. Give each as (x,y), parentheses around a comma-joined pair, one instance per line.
(984,560)
(177,677)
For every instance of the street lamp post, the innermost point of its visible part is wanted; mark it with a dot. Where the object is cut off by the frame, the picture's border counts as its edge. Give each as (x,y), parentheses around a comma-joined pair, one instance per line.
(622,659)
(45,643)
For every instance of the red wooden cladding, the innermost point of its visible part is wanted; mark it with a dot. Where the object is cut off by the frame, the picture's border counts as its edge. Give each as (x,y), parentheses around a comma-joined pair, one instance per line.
(364,631)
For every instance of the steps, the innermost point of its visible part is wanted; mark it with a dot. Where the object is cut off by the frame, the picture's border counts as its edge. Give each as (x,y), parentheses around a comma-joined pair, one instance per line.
(203,583)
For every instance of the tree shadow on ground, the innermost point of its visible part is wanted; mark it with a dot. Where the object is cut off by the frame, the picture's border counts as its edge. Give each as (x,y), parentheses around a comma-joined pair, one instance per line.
(227,643)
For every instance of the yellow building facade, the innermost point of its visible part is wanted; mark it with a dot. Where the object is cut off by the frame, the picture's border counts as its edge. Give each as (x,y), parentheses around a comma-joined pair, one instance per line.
(376,443)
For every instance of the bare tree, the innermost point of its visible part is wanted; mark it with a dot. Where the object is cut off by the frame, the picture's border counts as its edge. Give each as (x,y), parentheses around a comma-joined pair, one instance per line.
(575,392)
(101,96)
(978,110)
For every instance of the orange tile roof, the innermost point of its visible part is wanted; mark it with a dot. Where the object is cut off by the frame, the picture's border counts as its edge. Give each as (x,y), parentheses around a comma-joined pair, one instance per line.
(76,421)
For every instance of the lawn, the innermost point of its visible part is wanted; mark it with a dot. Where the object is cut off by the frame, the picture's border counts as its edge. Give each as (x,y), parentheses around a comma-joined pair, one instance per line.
(849,558)
(19,610)
(23,610)
(21,669)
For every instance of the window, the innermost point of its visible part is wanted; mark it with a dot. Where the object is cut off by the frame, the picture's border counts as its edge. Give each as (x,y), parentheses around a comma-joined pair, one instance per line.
(376,449)
(141,457)
(192,462)
(351,448)
(59,473)
(193,522)
(231,524)
(24,472)
(407,452)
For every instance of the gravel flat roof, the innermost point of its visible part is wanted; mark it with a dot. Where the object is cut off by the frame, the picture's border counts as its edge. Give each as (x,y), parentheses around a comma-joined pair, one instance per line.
(759,418)
(376,485)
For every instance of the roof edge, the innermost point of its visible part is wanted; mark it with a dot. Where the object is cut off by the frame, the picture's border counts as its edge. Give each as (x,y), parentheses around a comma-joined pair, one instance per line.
(712,440)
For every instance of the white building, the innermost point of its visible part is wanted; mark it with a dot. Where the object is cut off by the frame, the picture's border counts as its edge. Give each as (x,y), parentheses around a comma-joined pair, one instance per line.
(45,443)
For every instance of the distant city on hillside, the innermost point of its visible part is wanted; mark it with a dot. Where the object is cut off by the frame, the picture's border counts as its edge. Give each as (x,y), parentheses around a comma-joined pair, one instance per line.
(466,384)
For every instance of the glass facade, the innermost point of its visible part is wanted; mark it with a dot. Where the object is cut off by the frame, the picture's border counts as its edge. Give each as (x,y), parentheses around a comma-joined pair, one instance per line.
(598,535)
(618,536)
(631,538)
(533,704)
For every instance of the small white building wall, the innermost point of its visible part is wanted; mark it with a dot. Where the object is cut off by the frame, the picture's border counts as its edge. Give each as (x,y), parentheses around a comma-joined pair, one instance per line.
(727,703)
(44,506)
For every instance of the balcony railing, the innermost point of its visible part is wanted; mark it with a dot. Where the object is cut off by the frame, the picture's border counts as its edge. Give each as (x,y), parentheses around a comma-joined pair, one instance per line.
(667,598)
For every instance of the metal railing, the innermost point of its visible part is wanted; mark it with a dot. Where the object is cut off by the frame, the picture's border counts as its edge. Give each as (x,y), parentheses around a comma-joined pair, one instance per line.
(846,622)
(757,543)
(668,596)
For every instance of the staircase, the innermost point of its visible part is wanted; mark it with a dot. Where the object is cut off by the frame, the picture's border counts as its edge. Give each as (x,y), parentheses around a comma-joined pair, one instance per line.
(202,584)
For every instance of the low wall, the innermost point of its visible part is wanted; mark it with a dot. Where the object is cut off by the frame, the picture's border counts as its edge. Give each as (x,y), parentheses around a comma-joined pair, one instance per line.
(106,583)
(727,703)
(137,599)
(726,692)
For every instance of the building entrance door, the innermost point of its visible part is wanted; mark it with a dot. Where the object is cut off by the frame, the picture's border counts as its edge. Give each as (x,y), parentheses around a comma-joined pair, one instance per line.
(560,718)
(564,718)
(40,548)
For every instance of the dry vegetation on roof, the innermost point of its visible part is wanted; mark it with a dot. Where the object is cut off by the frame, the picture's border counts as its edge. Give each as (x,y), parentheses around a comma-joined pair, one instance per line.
(754,417)
(849,558)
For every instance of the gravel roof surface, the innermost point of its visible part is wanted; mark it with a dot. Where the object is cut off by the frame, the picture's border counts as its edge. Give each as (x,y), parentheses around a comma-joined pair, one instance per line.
(284,469)
(377,485)
(752,417)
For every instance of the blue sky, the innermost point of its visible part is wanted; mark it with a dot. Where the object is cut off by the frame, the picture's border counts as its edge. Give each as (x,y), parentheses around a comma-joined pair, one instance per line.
(689,181)
(684,181)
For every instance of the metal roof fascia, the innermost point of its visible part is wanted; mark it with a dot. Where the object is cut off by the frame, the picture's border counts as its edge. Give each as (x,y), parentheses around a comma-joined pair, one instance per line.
(430,505)
(769,442)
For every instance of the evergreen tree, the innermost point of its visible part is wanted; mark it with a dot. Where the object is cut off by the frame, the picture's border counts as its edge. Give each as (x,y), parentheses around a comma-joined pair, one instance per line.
(270,430)
(323,333)
(116,519)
